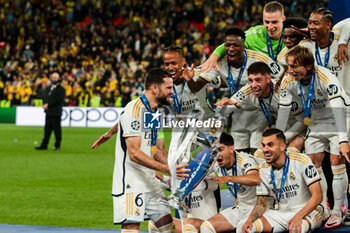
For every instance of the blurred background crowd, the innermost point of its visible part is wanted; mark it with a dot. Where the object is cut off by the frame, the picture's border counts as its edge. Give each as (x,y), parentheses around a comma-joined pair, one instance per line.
(103,49)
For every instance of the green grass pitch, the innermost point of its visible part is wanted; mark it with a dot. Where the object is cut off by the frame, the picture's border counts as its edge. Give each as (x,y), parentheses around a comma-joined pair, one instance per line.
(70,188)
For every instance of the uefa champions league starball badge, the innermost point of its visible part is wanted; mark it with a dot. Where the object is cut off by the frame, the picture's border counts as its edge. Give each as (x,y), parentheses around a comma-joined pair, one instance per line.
(197,146)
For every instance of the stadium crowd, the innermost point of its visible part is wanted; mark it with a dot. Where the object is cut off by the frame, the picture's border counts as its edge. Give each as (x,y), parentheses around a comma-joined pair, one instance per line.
(103,49)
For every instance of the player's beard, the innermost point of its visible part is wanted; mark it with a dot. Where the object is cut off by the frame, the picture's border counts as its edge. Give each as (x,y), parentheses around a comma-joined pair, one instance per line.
(163,100)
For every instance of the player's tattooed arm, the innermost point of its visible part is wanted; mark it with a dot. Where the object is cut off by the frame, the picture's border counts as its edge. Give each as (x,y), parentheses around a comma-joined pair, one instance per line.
(258,211)
(260,207)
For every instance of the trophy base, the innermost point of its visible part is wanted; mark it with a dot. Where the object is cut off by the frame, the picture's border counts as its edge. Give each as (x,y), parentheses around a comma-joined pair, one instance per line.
(175,203)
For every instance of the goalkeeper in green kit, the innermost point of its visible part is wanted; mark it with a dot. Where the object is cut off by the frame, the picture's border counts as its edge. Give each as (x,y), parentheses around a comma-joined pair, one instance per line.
(267,38)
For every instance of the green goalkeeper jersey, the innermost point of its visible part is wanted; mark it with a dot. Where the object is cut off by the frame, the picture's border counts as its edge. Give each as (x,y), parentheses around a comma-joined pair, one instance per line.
(255,40)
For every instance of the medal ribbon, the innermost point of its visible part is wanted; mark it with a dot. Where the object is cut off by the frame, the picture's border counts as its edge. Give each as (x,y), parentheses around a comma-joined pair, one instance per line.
(263,106)
(270,48)
(326,58)
(310,94)
(234,173)
(284,177)
(148,107)
(177,103)
(231,82)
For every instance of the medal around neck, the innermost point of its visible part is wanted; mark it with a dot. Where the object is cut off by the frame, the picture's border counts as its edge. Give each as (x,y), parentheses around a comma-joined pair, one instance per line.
(199,150)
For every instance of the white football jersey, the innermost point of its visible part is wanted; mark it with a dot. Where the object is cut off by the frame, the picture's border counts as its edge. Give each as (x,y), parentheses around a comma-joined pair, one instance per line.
(129,176)
(253,56)
(328,94)
(245,163)
(246,100)
(332,65)
(190,100)
(301,174)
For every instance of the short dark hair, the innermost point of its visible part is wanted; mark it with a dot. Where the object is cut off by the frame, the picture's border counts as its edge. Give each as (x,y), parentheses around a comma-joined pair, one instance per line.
(156,76)
(273,131)
(226,139)
(296,22)
(327,14)
(174,48)
(302,55)
(259,68)
(235,31)
(273,7)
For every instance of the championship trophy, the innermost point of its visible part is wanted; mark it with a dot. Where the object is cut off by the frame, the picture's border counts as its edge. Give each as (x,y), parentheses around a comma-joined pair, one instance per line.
(196,146)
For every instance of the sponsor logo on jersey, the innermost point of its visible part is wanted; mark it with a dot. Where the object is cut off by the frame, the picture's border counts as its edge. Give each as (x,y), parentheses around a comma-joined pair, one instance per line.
(295,107)
(311,171)
(151,120)
(247,165)
(332,90)
(275,68)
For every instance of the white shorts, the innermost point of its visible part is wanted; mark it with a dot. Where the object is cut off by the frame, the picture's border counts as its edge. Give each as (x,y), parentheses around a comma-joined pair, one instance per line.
(278,219)
(247,139)
(134,207)
(318,141)
(234,215)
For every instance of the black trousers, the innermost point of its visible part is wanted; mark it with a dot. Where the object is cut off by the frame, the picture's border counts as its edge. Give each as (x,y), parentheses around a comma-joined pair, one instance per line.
(52,123)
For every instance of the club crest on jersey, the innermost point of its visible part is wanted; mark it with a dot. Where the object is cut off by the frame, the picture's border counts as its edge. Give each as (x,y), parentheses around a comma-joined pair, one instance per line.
(151,120)
(137,212)
(319,92)
(292,176)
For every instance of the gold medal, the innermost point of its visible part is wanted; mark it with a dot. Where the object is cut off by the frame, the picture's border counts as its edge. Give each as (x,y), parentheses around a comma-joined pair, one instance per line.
(153,150)
(306,120)
(236,201)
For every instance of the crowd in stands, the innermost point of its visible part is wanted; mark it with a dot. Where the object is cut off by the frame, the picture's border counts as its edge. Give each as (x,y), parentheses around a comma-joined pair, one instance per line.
(103,49)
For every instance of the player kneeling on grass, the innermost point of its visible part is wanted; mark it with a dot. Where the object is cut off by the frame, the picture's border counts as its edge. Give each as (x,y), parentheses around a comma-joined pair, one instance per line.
(294,182)
(240,173)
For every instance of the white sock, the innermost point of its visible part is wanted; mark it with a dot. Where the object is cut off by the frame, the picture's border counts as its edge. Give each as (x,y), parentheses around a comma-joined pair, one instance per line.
(188,228)
(324,189)
(129,231)
(206,227)
(305,227)
(340,184)
(167,228)
(257,226)
(152,228)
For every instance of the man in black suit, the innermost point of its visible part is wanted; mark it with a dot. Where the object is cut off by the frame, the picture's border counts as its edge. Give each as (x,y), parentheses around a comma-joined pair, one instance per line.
(53,103)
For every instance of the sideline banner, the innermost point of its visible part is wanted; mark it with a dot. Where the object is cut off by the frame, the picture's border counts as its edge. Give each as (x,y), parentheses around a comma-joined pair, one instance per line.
(71,116)
(8,115)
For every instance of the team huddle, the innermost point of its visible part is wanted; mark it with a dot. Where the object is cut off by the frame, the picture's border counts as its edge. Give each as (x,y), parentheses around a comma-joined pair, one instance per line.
(286,107)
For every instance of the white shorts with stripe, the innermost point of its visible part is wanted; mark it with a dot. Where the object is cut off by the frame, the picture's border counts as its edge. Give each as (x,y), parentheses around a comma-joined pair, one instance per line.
(135,207)
(319,140)
(278,219)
